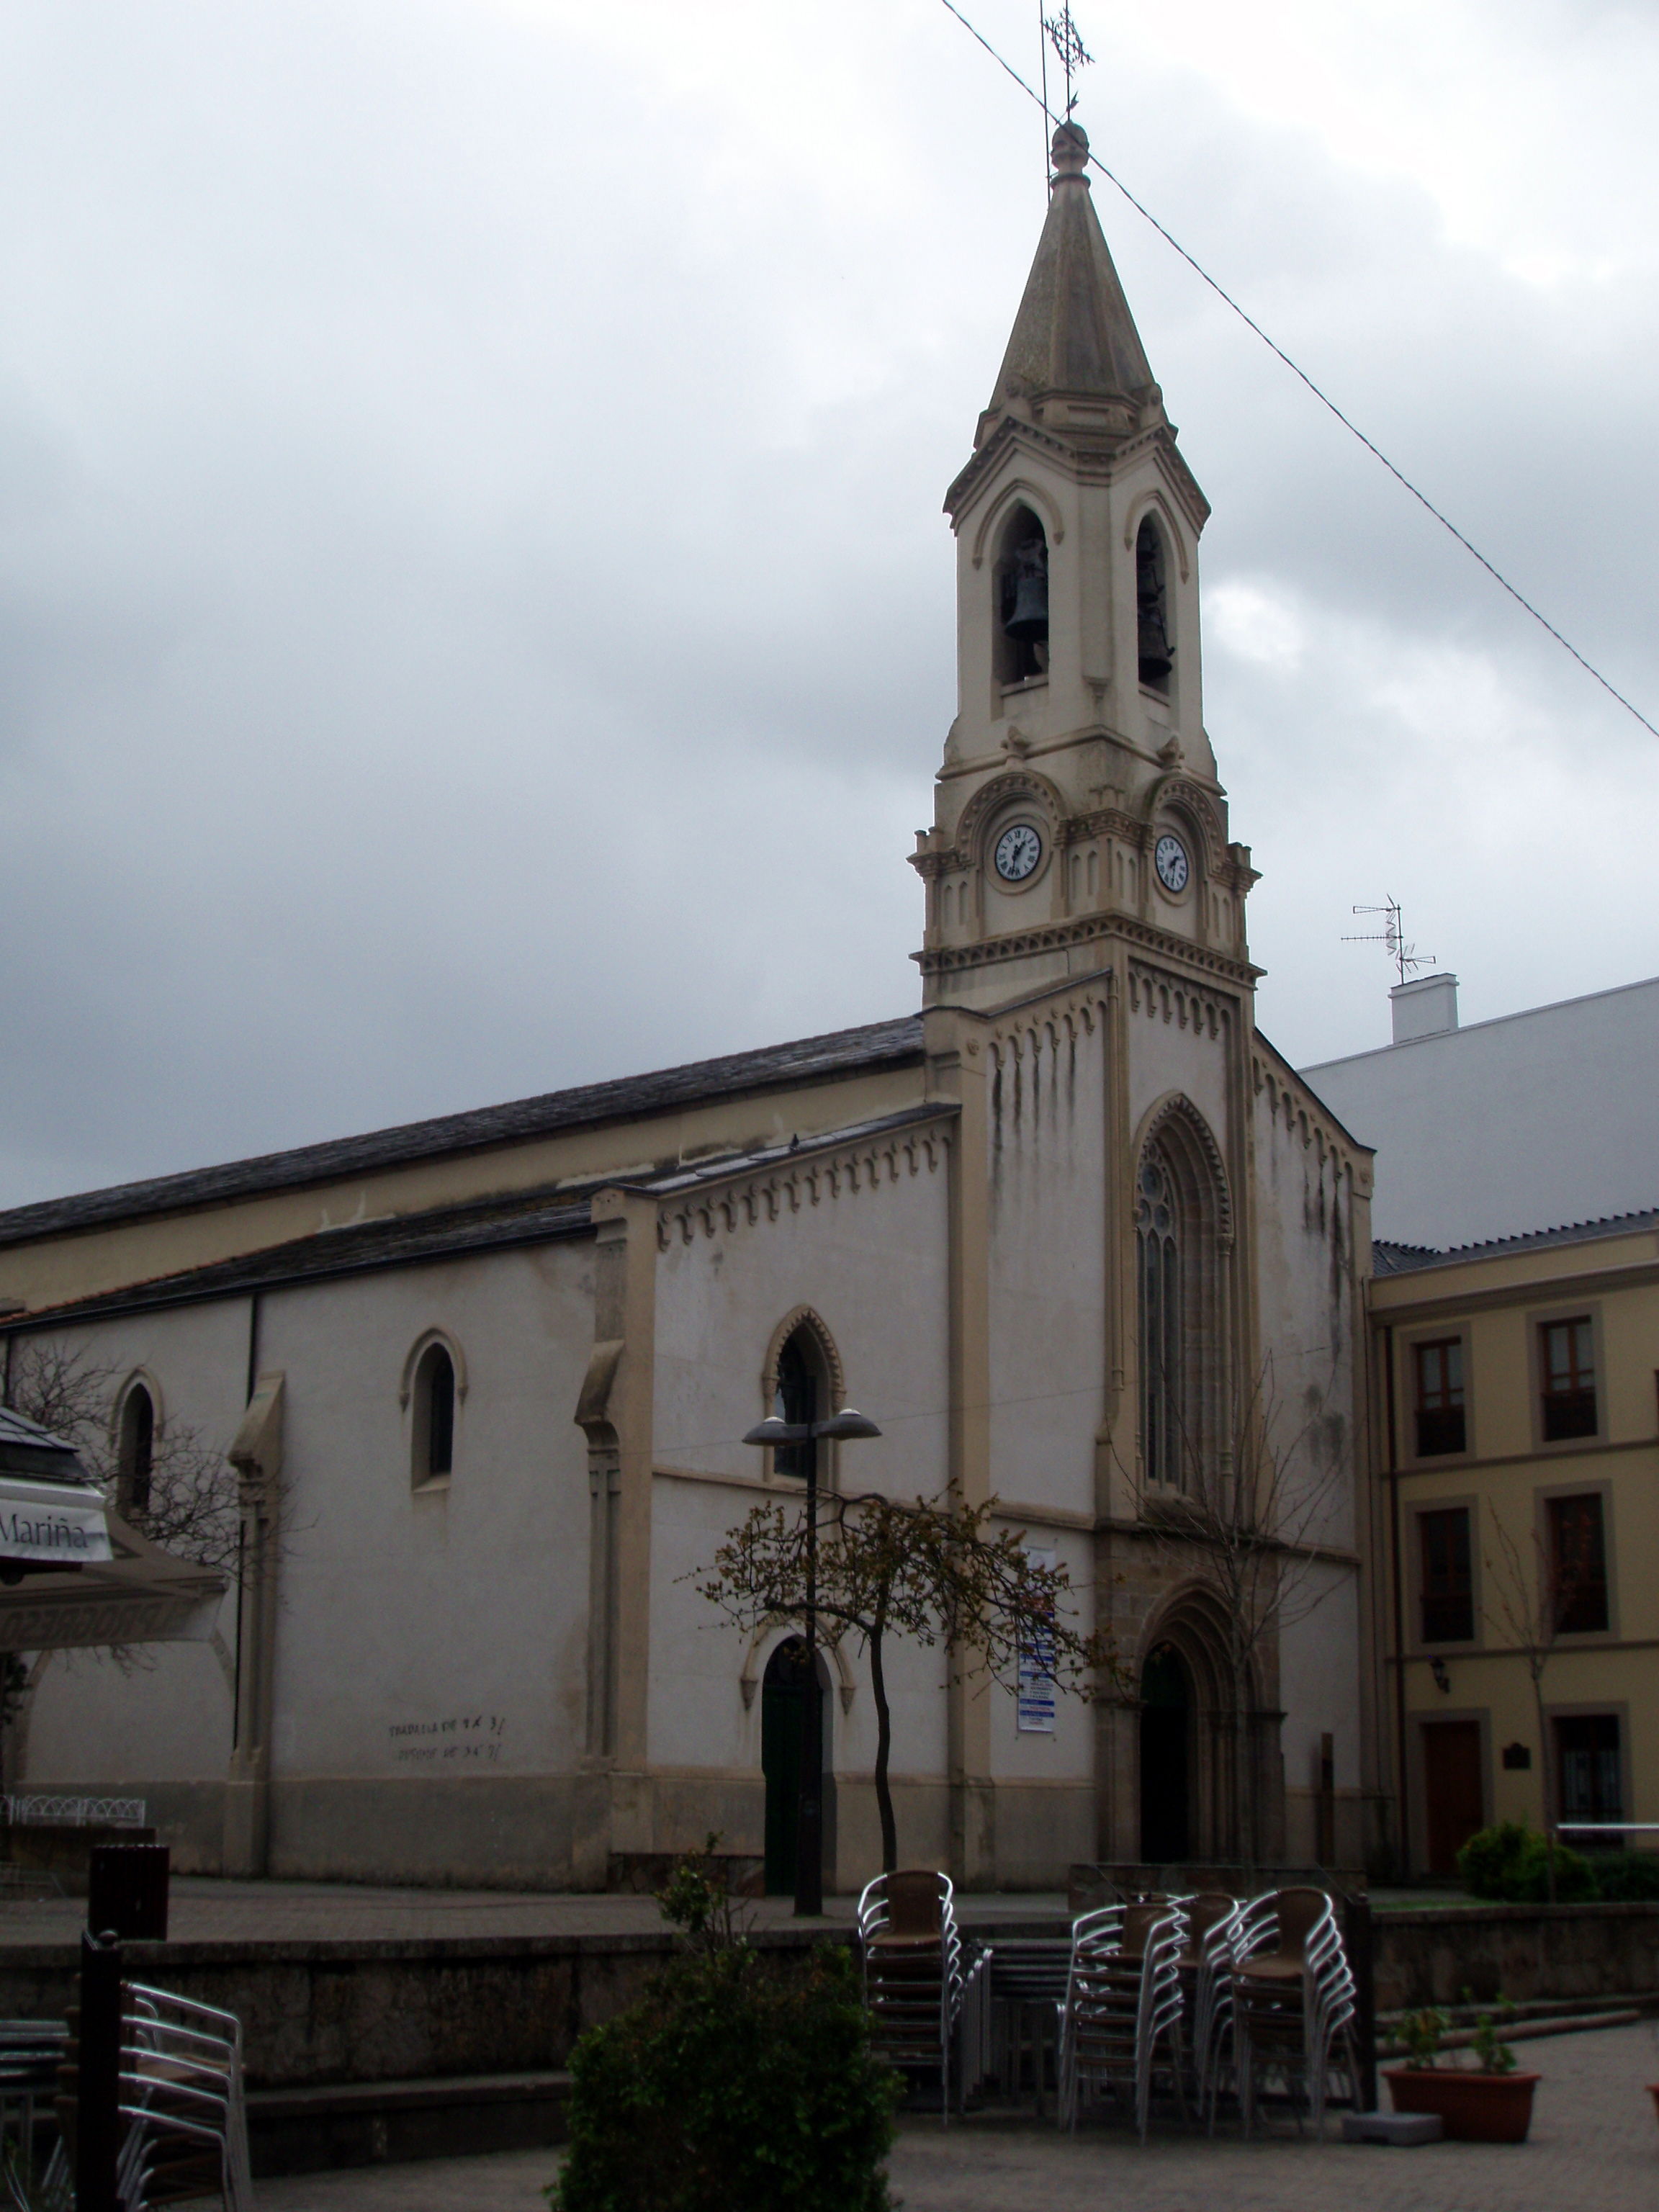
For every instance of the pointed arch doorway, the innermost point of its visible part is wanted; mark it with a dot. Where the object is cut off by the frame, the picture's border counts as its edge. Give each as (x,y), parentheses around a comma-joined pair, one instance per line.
(783,1730)
(1166,1756)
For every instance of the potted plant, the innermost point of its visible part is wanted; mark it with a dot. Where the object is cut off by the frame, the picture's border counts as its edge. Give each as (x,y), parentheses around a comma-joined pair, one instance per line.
(1487,2102)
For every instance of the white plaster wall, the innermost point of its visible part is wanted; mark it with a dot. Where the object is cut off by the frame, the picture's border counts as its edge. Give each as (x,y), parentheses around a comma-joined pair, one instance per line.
(165,1715)
(1309,1278)
(1318,1662)
(1166,1056)
(1067,1755)
(698,1715)
(1309,1281)
(1536,1120)
(1047,1257)
(442,1634)
(871,1261)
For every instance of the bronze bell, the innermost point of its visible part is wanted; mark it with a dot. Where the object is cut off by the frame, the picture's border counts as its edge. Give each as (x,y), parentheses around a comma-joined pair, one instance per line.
(1154,638)
(1026,595)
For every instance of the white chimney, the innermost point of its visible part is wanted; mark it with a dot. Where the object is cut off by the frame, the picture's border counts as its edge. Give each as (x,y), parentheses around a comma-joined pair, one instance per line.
(1425,1007)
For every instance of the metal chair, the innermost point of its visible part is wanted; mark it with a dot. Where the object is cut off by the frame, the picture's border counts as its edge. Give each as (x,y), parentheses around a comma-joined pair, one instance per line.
(1292,2005)
(1213,1922)
(913,1976)
(1123,2005)
(182,2093)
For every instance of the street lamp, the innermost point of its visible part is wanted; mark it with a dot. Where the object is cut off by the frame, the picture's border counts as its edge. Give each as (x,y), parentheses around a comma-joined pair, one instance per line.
(808,1819)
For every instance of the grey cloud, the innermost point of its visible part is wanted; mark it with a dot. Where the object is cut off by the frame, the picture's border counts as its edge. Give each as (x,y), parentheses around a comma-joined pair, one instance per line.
(475,613)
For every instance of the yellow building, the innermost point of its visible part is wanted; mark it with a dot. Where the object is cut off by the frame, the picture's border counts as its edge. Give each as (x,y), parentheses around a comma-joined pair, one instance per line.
(1519,1448)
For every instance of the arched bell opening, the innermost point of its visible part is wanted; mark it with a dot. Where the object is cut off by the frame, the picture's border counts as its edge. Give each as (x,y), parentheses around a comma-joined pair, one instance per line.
(1154,621)
(1019,584)
(783,1735)
(1166,1758)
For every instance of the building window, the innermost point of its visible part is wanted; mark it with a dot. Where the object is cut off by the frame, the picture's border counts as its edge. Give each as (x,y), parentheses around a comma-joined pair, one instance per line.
(1590,1782)
(1158,1255)
(1155,650)
(800,1398)
(1568,1375)
(435,1415)
(1448,1576)
(1578,1564)
(1440,1425)
(134,1457)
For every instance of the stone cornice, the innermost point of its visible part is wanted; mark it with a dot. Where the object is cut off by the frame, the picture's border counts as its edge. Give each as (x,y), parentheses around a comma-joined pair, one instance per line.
(1292,1105)
(1180,1000)
(1058,936)
(790,1185)
(1091,456)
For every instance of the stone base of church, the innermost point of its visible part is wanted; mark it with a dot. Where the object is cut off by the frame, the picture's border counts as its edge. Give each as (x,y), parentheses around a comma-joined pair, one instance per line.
(570,1832)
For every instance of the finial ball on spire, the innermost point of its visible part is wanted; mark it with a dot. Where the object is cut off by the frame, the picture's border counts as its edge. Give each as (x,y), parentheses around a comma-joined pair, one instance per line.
(1071,150)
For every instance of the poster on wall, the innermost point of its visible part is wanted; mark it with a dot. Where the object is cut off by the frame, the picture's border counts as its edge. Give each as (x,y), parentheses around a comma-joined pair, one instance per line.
(1037,1668)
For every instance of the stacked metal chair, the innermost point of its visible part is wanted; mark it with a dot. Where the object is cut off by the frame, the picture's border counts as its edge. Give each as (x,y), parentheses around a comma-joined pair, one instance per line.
(1214,1920)
(1292,2003)
(182,2096)
(913,1977)
(1123,2006)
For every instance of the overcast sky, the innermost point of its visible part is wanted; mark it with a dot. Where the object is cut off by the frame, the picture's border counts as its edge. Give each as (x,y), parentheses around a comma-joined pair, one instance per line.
(475,610)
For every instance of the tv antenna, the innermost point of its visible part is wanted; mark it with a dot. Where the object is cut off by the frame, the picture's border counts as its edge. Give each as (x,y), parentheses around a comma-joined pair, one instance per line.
(1406,957)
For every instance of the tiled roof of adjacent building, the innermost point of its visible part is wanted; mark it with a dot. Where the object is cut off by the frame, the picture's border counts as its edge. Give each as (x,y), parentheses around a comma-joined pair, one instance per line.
(1402,1259)
(809,1059)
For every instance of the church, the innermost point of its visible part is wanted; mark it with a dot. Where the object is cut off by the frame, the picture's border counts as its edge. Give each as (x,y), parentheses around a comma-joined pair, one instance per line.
(1072,1235)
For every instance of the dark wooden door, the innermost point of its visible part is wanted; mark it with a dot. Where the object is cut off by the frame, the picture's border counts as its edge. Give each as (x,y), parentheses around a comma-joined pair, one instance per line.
(1454,1799)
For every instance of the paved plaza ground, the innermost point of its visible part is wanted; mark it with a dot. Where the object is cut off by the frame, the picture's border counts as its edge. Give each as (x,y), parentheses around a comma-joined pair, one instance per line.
(1594,2147)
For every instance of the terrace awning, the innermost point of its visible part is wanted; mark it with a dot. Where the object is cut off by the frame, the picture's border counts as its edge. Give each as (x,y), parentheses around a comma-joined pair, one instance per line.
(73,1575)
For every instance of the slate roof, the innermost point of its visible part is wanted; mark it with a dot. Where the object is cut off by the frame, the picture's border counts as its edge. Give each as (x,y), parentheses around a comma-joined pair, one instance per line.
(1404,1259)
(808,1059)
(449,1232)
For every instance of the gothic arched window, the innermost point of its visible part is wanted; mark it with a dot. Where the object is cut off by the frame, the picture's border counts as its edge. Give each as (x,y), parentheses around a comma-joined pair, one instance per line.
(1155,643)
(1183,1236)
(134,1454)
(1163,1423)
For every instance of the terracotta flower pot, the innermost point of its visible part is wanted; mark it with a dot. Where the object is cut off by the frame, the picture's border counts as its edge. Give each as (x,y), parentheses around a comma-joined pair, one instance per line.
(1473,2107)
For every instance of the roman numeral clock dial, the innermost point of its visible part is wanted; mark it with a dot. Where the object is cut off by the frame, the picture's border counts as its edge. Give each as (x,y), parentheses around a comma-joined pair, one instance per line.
(1169,859)
(1018,851)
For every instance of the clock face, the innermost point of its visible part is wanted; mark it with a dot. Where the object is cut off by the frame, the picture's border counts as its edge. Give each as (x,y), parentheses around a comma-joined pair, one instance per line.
(1169,859)
(1018,851)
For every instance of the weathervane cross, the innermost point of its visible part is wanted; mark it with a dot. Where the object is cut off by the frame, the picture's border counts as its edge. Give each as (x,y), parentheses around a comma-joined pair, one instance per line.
(1074,54)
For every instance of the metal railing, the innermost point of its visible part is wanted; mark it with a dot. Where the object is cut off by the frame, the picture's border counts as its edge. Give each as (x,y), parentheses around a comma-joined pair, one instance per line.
(75,1811)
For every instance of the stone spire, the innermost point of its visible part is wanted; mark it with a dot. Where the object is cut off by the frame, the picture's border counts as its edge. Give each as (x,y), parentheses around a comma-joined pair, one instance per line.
(1073,333)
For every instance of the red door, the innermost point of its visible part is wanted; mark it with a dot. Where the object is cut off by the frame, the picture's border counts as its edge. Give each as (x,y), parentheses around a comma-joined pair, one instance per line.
(1454,1802)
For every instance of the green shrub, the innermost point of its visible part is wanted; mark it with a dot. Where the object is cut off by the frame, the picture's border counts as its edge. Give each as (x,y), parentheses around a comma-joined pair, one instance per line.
(1622,1876)
(735,2084)
(1509,1864)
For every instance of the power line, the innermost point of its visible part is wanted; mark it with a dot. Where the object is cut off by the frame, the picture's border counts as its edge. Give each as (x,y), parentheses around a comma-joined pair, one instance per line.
(1323,397)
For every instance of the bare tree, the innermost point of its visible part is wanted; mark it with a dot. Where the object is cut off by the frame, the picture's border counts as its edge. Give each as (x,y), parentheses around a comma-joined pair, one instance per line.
(189,1501)
(921,1568)
(1532,1609)
(1256,1510)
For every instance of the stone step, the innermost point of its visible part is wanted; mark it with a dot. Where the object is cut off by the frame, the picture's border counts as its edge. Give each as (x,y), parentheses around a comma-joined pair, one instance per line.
(311,2130)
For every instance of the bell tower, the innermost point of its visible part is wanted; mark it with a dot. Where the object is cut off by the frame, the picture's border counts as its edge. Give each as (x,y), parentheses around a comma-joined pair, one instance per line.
(1078,800)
